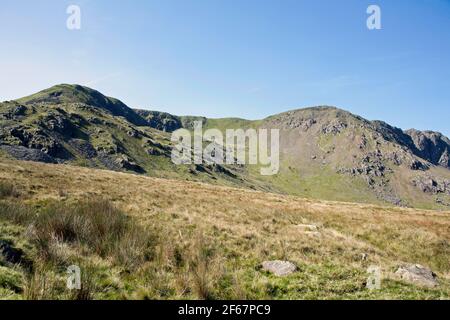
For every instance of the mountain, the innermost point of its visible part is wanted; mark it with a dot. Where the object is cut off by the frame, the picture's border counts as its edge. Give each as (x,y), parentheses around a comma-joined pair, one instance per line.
(325,152)
(69,94)
(78,125)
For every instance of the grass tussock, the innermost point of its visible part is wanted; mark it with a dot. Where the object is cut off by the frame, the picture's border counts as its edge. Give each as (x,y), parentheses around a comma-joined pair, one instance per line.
(8,190)
(16,212)
(205,268)
(62,233)
(94,224)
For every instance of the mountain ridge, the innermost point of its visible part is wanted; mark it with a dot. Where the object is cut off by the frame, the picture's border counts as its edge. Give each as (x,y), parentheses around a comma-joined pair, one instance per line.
(326,152)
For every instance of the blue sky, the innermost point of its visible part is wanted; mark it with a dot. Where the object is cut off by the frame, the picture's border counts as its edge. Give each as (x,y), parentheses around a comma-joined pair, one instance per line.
(246,58)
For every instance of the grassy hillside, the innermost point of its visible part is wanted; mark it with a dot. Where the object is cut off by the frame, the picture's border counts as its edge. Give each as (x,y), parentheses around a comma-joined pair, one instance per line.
(200,241)
(325,152)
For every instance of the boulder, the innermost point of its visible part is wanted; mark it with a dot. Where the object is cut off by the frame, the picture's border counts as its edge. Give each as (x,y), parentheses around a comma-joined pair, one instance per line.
(279,268)
(417,274)
(153,151)
(418,165)
(125,163)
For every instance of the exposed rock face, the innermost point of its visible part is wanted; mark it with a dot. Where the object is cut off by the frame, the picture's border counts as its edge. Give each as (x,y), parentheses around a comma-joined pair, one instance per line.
(373,170)
(19,110)
(161,120)
(84,148)
(334,127)
(295,122)
(154,148)
(279,268)
(429,145)
(417,165)
(28,154)
(432,146)
(57,123)
(123,162)
(33,138)
(418,274)
(432,185)
(444,161)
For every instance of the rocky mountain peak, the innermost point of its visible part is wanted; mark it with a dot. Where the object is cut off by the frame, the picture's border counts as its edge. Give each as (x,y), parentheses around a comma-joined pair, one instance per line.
(432,146)
(77,94)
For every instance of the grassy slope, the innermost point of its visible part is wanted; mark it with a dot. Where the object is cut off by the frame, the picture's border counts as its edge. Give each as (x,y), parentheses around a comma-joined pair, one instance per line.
(213,238)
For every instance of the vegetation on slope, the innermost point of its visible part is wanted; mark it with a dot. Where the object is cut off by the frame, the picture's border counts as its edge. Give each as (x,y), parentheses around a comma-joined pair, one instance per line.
(326,153)
(169,239)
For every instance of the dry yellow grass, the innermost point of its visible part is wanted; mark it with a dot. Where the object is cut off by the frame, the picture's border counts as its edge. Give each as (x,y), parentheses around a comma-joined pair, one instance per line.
(248,227)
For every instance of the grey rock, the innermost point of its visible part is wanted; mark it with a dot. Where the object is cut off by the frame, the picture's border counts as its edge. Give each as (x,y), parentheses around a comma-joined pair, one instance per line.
(123,162)
(279,268)
(431,146)
(334,127)
(84,148)
(161,120)
(418,165)
(417,274)
(19,110)
(433,185)
(57,123)
(444,160)
(28,154)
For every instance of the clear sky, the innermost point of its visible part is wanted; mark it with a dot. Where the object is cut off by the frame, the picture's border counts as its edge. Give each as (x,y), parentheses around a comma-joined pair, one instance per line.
(244,58)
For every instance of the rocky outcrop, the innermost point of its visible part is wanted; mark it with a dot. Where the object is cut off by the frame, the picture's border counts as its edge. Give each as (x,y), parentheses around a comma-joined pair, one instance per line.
(57,123)
(161,120)
(32,138)
(432,185)
(444,160)
(296,123)
(155,148)
(123,162)
(431,146)
(373,169)
(334,127)
(84,148)
(27,154)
